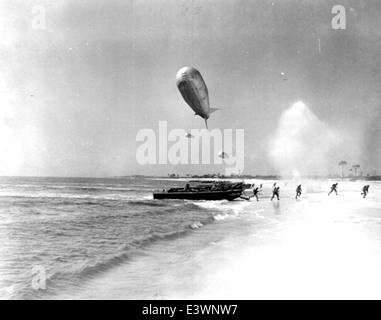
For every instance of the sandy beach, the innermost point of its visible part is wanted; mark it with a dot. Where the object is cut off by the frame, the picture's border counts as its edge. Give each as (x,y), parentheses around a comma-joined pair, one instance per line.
(318,247)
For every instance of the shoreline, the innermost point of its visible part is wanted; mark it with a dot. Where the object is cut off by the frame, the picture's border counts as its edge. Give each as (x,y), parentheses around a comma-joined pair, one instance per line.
(315,248)
(319,250)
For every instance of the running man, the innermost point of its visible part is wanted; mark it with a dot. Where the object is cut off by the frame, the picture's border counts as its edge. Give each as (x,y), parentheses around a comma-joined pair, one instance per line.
(255,193)
(298,192)
(276,193)
(365,191)
(334,189)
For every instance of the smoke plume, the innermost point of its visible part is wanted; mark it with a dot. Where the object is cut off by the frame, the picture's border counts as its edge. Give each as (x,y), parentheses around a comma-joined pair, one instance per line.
(302,143)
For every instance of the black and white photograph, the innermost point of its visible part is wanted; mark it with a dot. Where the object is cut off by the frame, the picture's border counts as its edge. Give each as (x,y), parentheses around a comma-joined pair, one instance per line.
(190,150)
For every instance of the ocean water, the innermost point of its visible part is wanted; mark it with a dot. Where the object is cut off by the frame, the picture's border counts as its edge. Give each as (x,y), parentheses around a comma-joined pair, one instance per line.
(108,239)
(79,229)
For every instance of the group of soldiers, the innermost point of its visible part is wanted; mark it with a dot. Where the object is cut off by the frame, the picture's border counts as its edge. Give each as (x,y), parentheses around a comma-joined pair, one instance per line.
(365,190)
(276,191)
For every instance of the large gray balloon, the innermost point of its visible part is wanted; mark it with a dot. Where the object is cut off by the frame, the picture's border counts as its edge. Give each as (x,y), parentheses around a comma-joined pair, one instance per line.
(194,91)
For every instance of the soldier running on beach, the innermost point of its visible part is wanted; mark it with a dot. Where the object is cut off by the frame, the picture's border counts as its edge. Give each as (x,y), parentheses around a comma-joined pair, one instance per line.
(298,191)
(334,189)
(255,193)
(365,191)
(275,193)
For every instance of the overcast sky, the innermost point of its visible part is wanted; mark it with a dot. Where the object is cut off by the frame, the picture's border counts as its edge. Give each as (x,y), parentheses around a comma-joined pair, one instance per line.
(74,96)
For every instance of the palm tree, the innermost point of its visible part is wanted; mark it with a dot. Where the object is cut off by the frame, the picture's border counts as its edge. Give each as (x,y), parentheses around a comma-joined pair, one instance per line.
(342,164)
(356,167)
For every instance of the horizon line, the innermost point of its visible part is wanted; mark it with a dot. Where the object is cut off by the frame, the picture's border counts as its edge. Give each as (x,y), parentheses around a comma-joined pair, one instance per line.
(213,176)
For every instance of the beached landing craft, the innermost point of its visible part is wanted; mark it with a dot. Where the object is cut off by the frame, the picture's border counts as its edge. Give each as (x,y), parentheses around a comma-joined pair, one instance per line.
(225,191)
(194,91)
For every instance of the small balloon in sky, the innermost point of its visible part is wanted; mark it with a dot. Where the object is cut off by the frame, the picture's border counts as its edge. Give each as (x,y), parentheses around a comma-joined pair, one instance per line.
(223,155)
(189,136)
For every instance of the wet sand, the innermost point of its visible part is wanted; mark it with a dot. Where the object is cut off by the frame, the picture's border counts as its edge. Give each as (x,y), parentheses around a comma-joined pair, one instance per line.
(318,247)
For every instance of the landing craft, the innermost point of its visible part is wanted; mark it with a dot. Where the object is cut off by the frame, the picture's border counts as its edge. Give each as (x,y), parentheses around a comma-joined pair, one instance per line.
(194,91)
